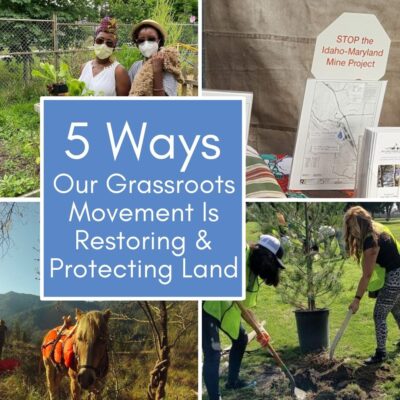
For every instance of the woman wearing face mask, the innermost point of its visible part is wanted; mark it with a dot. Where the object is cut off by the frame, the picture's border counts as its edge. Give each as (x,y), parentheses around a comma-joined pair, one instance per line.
(263,264)
(158,74)
(376,248)
(103,75)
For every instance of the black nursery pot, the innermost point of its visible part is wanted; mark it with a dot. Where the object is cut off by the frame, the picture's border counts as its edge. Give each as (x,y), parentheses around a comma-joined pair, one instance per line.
(58,89)
(313,329)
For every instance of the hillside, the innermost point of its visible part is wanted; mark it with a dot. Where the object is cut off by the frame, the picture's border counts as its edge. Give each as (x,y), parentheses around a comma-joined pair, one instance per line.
(12,303)
(27,313)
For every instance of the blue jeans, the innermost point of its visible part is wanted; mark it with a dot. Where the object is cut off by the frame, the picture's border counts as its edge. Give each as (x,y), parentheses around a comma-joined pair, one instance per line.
(212,355)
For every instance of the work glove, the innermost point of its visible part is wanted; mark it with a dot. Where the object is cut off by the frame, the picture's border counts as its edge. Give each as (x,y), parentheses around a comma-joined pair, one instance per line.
(263,338)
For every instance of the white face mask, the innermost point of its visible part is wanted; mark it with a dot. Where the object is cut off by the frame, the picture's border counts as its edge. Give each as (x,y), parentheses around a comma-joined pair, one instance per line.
(102,51)
(148,48)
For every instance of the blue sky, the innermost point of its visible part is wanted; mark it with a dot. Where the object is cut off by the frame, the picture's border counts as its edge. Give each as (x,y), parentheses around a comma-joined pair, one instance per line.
(19,266)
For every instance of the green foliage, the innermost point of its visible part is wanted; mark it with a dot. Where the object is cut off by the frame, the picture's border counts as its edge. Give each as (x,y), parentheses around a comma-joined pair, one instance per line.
(127,11)
(19,36)
(185,8)
(67,10)
(127,55)
(134,11)
(17,185)
(19,150)
(47,73)
(314,259)
(163,13)
(188,58)
(75,87)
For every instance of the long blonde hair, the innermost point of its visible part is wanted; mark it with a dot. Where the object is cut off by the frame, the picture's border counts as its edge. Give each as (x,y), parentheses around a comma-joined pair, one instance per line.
(357,226)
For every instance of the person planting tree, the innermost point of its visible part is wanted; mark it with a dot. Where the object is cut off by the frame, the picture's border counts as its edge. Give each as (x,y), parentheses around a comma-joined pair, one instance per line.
(263,264)
(374,246)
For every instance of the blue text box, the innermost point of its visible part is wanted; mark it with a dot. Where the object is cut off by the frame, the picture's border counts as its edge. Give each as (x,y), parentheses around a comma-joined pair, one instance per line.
(142,198)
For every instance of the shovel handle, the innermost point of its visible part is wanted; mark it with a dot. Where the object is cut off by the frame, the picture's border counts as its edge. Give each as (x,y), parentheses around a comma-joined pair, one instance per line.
(248,316)
(254,324)
(340,333)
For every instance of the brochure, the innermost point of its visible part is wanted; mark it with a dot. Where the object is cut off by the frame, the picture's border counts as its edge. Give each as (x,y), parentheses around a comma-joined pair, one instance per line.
(379,165)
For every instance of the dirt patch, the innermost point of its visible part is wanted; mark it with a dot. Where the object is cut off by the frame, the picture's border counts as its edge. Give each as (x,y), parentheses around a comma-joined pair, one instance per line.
(325,379)
(320,373)
(333,379)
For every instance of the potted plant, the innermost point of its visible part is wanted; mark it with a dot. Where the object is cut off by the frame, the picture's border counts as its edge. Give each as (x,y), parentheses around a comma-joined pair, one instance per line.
(61,82)
(314,255)
(54,79)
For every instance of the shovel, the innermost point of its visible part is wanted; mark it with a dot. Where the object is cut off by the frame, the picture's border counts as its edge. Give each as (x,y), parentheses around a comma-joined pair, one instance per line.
(298,393)
(340,333)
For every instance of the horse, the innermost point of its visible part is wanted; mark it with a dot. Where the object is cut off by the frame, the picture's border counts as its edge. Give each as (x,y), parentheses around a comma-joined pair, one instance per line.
(79,351)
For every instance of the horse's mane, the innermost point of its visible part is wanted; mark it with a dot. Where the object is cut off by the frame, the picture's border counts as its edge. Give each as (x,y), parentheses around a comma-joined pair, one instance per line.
(91,326)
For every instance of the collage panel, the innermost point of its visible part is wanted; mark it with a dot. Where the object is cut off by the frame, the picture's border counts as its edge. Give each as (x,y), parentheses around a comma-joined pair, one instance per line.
(75,349)
(85,49)
(322,77)
(314,84)
(315,322)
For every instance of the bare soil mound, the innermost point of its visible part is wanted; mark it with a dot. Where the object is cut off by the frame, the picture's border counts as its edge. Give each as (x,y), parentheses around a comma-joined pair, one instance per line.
(325,379)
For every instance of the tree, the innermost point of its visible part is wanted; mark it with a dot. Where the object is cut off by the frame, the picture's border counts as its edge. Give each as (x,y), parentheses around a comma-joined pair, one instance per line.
(133,11)
(377,208)
(67,10)
(7,211)
(311,236)
(185,8)
(160,317)
(388,207)
(17,332)
(168,323)
(21,37)
(127,11)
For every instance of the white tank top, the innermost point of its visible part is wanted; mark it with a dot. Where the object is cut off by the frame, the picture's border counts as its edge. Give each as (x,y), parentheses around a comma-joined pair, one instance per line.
(103,84)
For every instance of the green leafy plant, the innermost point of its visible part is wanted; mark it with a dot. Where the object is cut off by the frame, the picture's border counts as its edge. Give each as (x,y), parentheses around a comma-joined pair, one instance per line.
(127,55)
(78,88)
(51,76)
(311,236)
(16,185)
(47,72)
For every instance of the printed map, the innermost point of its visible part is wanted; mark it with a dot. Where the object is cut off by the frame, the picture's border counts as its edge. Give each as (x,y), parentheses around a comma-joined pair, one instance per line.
(334,117)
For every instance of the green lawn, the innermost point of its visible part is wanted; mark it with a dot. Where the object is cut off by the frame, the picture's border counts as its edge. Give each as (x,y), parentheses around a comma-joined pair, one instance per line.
(358,342)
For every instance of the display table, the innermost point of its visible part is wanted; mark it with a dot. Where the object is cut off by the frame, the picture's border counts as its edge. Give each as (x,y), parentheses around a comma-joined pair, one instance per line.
(280,166)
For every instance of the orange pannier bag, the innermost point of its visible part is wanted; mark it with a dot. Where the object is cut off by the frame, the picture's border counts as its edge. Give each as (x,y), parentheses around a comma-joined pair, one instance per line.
(64,349)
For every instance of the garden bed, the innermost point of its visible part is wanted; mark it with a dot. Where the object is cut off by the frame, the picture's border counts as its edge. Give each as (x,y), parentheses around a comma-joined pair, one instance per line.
(19,150)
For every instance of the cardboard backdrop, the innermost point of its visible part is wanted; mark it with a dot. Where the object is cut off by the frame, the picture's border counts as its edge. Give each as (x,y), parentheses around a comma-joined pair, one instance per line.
(267,46)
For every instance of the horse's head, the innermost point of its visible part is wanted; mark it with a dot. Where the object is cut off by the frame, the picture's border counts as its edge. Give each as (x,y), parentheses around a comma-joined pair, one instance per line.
(91,346)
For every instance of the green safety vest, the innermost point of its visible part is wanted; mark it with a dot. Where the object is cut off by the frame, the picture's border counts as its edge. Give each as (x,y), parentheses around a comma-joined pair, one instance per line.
(378,275)
(227,312)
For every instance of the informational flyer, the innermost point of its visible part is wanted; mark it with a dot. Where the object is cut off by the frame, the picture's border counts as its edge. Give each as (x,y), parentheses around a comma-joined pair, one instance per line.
(380,164)
(334,116)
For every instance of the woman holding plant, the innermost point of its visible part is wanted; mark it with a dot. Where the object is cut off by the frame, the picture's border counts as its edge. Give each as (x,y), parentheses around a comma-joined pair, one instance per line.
(103,75)
(158,74)
(263,264)
(376,248)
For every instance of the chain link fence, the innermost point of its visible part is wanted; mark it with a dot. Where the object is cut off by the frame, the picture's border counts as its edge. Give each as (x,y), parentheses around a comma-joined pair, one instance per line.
(24,43)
